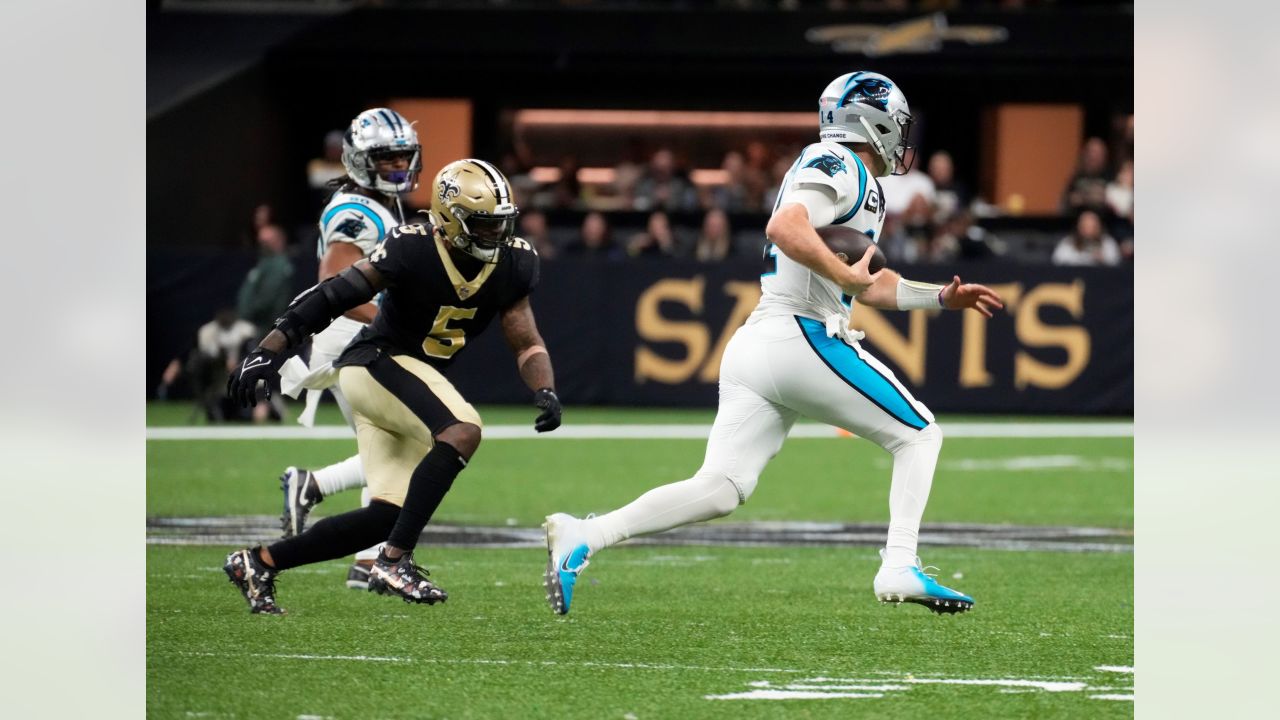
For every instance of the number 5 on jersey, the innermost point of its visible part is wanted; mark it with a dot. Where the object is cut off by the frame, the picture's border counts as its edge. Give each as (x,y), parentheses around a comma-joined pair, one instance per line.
(444,341)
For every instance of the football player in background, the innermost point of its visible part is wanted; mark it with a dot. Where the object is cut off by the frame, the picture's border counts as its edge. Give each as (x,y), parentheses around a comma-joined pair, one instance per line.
(382,158)
(797,355)
(443,282)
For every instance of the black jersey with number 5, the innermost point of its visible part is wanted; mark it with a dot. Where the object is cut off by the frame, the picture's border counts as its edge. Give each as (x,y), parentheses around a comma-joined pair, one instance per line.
(435,304)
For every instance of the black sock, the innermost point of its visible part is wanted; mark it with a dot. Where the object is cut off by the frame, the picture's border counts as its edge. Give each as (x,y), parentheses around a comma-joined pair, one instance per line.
(427,487)
(336,536)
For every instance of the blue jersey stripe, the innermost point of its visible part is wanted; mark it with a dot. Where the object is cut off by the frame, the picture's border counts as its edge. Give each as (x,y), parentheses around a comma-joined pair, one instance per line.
(860,375)
(862,193)
(382,228)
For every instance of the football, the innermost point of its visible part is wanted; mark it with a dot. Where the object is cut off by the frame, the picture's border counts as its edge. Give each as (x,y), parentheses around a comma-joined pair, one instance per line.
(849,245)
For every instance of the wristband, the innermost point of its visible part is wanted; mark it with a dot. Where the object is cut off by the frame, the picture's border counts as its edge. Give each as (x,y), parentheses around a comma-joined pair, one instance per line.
(918,295)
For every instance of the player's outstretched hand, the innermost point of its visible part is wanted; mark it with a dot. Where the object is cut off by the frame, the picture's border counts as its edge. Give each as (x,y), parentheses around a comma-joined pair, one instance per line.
(547,401)
(860,277)
(242,384)
(958,296)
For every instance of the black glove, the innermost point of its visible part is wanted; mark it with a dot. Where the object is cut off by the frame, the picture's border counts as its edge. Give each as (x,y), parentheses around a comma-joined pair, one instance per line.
(258,365)
(547,401)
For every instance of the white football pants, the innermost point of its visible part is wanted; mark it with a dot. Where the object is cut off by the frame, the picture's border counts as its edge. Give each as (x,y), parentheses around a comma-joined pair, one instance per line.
(774,370)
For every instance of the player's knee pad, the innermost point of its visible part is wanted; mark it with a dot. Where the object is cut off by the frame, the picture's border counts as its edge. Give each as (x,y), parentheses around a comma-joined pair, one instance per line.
(726,493)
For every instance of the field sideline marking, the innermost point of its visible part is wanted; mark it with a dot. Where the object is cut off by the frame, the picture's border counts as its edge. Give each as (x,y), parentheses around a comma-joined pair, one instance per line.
(891,677)
(642,432)
(810,688)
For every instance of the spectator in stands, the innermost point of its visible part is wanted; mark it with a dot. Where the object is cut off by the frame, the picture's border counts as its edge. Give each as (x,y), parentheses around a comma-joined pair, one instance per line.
(900,191)
(713,242)
(657,240)
(662,188)
(1120,201)
(758,171)
(566,192)
(267,289)
(950,196)
(960,238)
(627,173)
(328,166)
(263,215)
(533,228)
(595,240)
(220,343)
(523,186)
(777,174)
(1087,189)
(918,229)
(1088,245)
(733,195)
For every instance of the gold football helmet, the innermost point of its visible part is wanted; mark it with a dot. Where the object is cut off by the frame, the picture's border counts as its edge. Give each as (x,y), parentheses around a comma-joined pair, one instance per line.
(471,204)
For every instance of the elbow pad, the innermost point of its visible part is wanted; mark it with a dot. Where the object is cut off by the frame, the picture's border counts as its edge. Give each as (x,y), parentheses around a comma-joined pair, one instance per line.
(318,305)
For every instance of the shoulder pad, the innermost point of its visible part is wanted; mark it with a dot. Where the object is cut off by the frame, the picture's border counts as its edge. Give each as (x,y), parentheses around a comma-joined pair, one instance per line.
(830,166)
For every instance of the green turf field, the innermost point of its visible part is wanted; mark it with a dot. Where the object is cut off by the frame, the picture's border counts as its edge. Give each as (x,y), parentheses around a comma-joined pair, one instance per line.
(656,632)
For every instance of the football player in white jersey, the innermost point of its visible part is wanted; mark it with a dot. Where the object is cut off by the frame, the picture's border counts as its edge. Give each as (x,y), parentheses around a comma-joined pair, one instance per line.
(797,355)
(383,159)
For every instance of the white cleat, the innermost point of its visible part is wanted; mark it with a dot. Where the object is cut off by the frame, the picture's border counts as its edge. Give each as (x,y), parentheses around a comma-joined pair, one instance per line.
(912,584)
(567,557)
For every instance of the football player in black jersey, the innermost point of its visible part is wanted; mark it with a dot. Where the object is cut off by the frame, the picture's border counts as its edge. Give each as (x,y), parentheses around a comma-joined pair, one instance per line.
(444,282)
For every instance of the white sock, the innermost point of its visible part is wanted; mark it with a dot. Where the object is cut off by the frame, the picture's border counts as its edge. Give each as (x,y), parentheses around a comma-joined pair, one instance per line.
(340,476)
(702,497)
(913,465)
(367,553)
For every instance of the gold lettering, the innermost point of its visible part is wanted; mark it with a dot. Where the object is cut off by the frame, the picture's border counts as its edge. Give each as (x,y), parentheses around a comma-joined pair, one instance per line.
(652,327)
(746,296)
(906,352)
(973,339)
(1074,339)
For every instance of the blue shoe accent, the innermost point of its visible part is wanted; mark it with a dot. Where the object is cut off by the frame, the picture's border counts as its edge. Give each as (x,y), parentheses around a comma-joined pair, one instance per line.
(567,574)
(940,592)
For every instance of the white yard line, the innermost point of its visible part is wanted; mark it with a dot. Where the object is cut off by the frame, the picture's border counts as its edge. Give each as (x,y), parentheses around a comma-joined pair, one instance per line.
(639,432)
(483,661)
(791,695)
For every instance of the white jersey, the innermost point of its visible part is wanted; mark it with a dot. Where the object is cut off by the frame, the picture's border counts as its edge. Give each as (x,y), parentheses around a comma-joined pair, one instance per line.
(363,222)
(789,288)
(357,219)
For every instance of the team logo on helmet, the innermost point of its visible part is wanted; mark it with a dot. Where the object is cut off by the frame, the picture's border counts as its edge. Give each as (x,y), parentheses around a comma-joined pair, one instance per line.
(829,164)
(872,91)
(449,188)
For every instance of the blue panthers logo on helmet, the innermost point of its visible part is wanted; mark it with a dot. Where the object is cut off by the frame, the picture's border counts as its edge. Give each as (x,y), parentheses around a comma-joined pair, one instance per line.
(829,164)
(872,91)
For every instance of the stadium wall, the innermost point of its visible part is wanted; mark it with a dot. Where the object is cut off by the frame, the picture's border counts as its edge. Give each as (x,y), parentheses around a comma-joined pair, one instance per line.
(652,333)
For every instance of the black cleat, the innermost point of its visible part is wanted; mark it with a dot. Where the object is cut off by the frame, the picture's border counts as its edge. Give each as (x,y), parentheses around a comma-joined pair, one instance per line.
(358,575)
(301,494)
(256,581)
(405,579)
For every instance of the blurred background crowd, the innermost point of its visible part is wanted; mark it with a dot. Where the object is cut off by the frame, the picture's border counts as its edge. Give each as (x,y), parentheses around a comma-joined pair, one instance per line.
(625,141)
(653,203)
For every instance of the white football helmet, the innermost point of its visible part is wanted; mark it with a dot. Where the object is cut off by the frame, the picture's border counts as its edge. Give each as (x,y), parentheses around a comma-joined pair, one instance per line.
(376,135)
(867,107)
